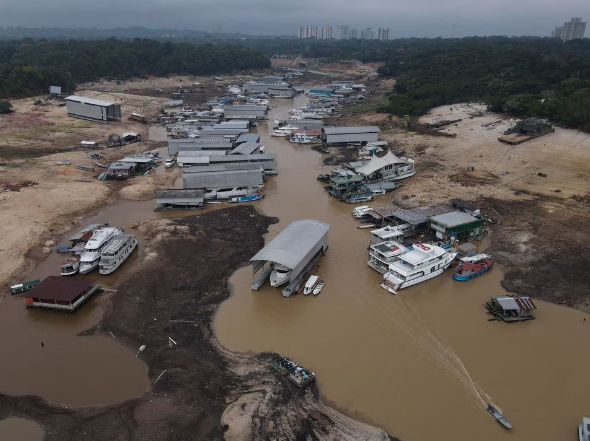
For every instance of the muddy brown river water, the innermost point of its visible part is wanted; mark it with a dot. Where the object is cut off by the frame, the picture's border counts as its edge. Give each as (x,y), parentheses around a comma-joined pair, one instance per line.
(418,365)
(421,364)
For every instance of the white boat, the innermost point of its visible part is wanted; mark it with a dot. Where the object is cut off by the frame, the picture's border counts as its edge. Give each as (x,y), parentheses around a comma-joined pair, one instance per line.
(280,275)
(423,263)
(231,192)
(70,266)
(282,133)
(359,212)
(318,288)
(390,232)
(310,284)
(93,249)
(383,254)
(116,252)
(170,162)
(584,429)
(304,138)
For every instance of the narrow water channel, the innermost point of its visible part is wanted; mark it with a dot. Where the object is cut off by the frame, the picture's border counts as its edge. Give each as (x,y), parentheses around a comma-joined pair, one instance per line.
(421,364)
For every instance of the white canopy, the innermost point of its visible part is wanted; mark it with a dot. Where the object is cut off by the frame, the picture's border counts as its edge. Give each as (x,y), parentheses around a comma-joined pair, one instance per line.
(378,163)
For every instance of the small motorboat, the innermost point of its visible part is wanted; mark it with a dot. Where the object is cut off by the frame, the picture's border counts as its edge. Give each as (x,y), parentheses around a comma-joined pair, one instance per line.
(253,197)
(498,416)
(310,284)
(318,288)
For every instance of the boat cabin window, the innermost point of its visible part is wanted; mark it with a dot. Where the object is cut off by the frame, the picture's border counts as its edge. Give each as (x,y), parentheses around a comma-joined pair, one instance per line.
(283,271)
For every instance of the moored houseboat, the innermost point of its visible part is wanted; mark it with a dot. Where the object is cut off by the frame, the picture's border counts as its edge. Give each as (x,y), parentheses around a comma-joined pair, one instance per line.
(116,252)
(470,267)
(383,254)
(92,251)
(423,263)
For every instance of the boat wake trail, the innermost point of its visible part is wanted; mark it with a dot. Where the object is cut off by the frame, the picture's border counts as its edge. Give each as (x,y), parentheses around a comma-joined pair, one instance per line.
(410,325)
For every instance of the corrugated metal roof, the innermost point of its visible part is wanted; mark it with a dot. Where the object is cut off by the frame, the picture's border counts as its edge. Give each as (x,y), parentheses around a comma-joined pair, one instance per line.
(86,100)
(350,130)
(173,193)
(246,148)
(246,137)
(415,216)
(60,288)
(121,166)
(507,303)
(203,160)
(223,167)
(221,179)
(293,243)
(136,160)
(198,153)
(251,158)
(200,141)
(453,219)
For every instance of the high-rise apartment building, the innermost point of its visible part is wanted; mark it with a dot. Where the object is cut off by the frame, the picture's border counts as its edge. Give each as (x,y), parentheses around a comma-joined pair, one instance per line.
(383,34)
(571,30)
(343,32)
(368,34)
(326,32)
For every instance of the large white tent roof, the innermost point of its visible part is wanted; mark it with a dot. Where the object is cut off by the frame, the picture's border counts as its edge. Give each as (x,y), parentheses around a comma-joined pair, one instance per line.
(377,163)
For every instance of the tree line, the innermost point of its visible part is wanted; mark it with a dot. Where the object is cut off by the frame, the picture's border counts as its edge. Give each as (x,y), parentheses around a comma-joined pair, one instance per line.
(29,67)
(523,76)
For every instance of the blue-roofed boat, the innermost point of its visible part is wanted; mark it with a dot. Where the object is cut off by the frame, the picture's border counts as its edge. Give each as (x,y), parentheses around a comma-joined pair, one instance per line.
(250,198)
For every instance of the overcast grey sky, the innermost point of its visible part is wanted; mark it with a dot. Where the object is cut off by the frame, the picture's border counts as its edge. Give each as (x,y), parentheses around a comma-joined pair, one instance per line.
(407,18)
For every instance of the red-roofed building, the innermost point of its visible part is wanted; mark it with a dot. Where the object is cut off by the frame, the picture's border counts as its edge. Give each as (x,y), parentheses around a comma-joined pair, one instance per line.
(64,294)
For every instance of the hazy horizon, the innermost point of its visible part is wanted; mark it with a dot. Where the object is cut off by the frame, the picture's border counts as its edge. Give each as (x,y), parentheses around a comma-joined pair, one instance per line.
(420,18)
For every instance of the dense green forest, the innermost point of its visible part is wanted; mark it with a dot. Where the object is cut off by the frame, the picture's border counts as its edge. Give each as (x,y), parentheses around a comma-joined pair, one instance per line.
(29,67)
(523,76)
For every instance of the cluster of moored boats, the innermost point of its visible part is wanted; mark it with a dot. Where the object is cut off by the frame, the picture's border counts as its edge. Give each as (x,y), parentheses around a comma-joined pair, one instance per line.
(97,246)
(404,266)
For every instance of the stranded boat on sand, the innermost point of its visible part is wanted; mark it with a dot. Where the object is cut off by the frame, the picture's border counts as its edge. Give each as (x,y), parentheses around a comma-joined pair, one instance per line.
(471,267)
(297,374)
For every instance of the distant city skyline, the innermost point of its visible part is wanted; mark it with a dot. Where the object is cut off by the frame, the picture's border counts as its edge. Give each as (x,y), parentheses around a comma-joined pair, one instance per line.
(343,32)
(418,18)
(571,30)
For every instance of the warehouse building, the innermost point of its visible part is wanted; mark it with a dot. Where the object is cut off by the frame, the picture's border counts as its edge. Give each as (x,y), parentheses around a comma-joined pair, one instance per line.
(457,225)
(247,148)
(196,144)
(245,111)
(210,131)
(290,256)
(248,137)
(189,158)
(92,109)
(350,135)
(170,199)
(223,179)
